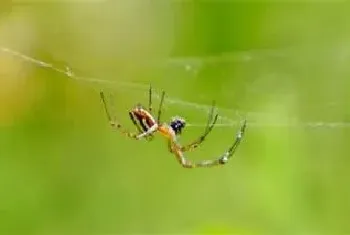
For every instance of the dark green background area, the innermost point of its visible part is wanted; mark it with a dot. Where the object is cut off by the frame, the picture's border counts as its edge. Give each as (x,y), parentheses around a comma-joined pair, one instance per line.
(284,66)
(210,28)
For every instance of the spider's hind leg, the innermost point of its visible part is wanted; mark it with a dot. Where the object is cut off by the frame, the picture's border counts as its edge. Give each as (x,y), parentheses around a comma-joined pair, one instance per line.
(113,122)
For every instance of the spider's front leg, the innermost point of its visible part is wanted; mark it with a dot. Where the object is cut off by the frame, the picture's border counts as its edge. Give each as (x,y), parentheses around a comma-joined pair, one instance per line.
(195,144)
(190,164)
(186,163)
(223,159)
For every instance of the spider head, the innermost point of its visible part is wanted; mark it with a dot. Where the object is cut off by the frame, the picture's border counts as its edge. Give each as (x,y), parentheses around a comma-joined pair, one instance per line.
(177,124)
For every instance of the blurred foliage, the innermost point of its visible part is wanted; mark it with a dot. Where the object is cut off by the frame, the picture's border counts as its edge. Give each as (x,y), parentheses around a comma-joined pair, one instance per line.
(281,65)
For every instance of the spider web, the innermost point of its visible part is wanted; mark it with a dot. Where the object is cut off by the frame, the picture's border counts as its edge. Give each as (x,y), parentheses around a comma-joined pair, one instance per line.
(225,121)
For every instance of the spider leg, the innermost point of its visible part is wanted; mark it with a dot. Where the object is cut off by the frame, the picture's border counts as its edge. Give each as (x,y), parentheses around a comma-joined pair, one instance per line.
(209,127)
(150,99)
(210,116)
(160,106)
(223,159)
(114,122)
(103,98)
(231,151)
(186,163)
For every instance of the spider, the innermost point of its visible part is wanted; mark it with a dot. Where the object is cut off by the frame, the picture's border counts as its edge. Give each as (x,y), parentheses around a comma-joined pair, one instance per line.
(147,126)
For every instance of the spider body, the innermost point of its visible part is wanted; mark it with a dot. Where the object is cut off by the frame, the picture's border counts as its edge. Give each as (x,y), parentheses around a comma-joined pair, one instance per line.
(147,125)
(143,117)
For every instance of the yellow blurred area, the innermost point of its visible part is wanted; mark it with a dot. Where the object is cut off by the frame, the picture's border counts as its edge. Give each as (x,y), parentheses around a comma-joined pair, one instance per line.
(118,36)
(18,91)
(114,48)
(15,94)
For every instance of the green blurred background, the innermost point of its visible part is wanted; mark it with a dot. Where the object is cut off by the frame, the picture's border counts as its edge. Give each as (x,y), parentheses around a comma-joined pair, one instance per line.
(284,66)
